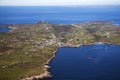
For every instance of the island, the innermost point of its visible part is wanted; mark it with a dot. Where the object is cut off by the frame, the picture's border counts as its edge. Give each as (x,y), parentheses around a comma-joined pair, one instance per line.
(26,49)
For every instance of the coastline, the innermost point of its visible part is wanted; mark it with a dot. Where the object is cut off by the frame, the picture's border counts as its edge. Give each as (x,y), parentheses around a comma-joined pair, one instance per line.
(92,44)
(44,68)
(45,74)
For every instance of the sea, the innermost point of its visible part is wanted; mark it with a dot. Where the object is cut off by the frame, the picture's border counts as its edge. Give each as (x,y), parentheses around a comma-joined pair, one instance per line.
(59,14)
(91,62)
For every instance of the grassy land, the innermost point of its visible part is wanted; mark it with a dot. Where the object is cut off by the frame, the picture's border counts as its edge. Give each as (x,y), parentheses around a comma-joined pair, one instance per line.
(24,50)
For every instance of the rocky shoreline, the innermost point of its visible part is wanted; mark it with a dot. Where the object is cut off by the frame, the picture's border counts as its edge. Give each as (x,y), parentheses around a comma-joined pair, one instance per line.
(47,74)
(44,75)
(41,37)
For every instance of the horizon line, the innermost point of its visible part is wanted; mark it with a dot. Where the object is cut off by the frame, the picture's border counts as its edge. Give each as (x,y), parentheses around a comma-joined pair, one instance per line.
(67,5)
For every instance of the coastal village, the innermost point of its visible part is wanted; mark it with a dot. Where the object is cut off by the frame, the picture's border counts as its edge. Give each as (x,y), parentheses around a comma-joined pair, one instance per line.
(25,51)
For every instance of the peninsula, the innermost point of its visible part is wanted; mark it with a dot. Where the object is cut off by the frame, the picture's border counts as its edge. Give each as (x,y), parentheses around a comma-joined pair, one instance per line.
(26,49)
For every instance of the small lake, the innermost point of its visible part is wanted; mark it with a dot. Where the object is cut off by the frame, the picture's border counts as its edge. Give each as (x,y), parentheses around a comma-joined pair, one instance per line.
(92,62)
(4,29)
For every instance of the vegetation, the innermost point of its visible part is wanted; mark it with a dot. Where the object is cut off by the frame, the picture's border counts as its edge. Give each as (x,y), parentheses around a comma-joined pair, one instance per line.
(27,47)
(24,51)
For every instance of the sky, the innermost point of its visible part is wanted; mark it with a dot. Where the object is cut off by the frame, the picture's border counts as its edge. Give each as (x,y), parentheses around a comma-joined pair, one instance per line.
(58,2)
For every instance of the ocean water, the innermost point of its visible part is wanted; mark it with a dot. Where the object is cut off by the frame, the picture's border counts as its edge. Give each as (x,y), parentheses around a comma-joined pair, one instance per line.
(4,29)
(58,15)
(93,62)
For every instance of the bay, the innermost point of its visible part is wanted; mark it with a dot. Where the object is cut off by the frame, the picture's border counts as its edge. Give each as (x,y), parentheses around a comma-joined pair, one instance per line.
(4,29)
(92,62)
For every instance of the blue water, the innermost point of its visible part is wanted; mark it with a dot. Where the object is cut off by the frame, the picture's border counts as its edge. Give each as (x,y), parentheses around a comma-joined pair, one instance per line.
(64,15)
(93,62)
(4,29)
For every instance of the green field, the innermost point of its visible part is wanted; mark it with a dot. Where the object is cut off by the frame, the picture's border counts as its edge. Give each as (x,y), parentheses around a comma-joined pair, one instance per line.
(27,47)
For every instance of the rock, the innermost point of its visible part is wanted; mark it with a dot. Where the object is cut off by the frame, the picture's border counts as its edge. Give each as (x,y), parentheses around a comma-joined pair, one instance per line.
(46,66)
